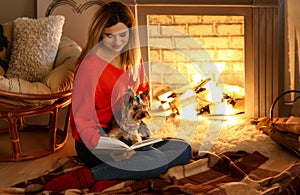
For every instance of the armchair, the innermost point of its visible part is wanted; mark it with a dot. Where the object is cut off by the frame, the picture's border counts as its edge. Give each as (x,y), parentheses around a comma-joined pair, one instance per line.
(23,100)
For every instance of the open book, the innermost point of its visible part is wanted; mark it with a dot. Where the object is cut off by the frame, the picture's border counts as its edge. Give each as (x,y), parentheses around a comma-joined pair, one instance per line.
(111,144)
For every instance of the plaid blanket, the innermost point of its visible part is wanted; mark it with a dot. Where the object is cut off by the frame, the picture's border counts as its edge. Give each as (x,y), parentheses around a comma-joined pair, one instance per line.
(228,173)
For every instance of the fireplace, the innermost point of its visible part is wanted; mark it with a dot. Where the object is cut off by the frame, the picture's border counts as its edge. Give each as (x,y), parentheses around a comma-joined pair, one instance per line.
(261,52)
(242,38)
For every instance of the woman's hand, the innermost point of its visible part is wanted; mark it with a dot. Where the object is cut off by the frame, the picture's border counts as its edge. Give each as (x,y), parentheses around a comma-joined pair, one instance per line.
(120,155)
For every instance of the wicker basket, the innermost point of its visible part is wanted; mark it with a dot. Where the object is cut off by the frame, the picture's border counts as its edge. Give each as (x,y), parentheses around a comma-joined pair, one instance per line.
(284,129)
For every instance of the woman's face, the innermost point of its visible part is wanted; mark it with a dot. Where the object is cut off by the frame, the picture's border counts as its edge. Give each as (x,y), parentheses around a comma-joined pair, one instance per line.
(116,37)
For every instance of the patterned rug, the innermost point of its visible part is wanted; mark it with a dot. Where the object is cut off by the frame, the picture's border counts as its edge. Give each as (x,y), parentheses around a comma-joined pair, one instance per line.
(236,172)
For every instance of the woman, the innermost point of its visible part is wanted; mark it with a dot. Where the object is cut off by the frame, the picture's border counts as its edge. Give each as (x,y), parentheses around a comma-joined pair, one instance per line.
(109,64)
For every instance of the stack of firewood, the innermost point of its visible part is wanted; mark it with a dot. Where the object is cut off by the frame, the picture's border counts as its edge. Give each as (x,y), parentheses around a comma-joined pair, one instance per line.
(208,98)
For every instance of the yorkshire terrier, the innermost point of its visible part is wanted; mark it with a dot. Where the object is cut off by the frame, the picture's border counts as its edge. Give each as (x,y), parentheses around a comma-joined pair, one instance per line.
(135,107)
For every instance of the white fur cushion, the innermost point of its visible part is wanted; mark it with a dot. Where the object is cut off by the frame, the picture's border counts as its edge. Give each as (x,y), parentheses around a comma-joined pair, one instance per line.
(34,47)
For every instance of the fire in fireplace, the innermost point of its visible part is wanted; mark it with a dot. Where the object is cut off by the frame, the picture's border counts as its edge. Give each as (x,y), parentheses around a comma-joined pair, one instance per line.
(195,49)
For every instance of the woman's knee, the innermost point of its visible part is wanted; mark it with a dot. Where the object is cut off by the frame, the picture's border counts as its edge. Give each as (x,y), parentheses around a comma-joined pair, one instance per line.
(151,159)
(173,144)
(178,151)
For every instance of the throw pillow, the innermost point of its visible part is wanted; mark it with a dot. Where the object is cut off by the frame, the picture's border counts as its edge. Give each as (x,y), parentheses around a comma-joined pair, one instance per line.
(34,47)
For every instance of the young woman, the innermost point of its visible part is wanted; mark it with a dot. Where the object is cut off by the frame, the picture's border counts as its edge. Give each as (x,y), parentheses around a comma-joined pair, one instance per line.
(109,64)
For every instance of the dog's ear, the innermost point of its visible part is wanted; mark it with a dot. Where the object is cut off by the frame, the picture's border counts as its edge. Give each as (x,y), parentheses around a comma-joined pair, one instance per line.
(144,95)
(128,97)
(131,98)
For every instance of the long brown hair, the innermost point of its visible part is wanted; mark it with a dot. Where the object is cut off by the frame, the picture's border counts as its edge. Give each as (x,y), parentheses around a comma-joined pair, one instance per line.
(106,16)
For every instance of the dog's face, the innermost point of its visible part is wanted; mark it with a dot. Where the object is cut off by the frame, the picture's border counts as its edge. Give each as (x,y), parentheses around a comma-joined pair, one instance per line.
(136,107)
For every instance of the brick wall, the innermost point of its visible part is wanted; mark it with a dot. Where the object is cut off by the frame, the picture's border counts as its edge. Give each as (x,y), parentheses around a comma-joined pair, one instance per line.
(193,46)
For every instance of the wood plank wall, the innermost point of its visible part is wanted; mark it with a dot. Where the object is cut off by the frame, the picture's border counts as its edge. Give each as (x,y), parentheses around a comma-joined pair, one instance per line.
(268,56)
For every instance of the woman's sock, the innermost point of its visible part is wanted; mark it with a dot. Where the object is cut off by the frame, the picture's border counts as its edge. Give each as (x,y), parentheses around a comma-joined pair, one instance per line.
(78,179)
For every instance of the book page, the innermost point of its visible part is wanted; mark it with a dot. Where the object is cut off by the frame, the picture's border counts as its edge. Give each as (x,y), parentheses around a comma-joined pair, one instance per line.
(146,142)
(111,143)
(107,143)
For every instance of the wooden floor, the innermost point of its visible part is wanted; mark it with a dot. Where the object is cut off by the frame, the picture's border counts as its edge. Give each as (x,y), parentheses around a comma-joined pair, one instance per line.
(14,172)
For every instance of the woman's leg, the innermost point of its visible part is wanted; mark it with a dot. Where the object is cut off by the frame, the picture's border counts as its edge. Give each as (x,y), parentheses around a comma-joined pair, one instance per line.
(178,151)
(145,163)
(141,165)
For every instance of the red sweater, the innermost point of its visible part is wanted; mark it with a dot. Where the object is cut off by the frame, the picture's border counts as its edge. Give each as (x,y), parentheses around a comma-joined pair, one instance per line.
(98,88)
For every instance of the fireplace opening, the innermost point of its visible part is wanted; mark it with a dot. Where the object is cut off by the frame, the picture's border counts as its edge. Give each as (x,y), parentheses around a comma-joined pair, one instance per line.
(200,52)
(251,62)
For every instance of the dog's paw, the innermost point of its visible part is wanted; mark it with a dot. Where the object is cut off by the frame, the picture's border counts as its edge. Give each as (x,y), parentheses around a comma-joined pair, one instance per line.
(136,139)
(144,131)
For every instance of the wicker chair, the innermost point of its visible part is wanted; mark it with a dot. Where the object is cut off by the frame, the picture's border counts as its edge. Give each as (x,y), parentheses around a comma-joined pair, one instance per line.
(17,109)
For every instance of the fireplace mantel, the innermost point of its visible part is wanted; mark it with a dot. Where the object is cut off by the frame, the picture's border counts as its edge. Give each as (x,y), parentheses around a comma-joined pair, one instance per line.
(206,2)
(264,47)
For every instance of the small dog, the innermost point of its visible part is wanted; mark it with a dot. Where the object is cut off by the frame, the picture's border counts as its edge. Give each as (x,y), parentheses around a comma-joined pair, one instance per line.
(134,107)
